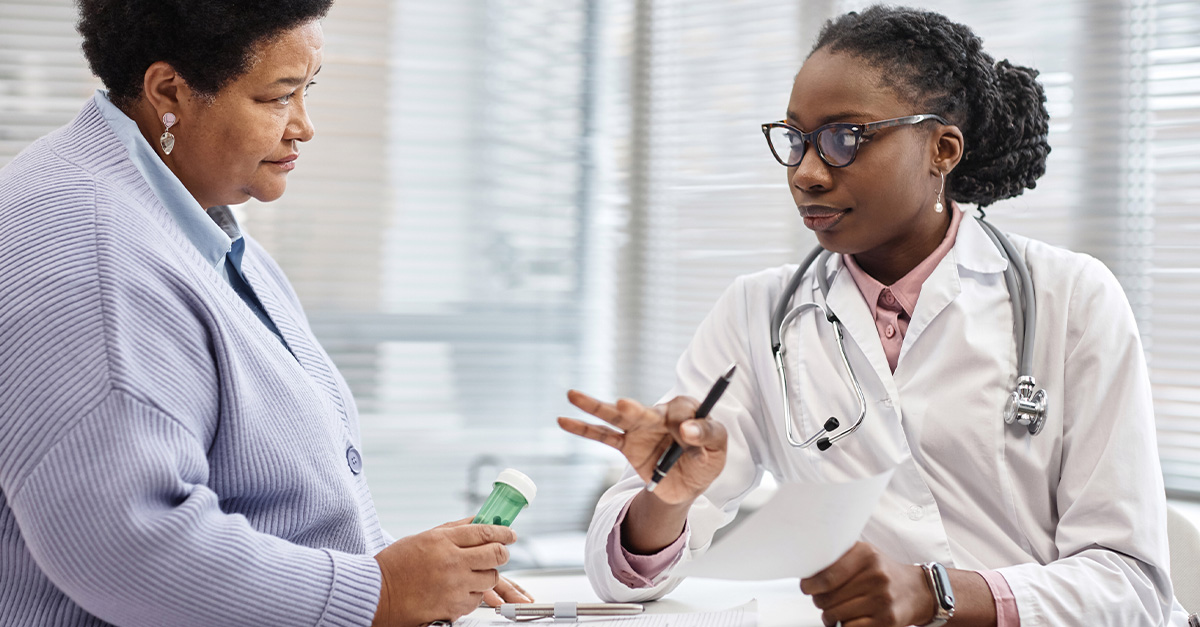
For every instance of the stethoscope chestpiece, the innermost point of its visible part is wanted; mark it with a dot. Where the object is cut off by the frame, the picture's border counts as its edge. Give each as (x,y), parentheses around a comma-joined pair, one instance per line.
(1025,406)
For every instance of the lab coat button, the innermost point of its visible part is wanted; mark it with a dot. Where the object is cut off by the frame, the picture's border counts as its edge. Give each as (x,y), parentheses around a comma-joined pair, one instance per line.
(887,401)
(354,460)
(916,512)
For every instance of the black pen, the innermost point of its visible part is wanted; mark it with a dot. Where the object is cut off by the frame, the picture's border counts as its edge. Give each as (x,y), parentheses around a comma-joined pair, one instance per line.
(672,455)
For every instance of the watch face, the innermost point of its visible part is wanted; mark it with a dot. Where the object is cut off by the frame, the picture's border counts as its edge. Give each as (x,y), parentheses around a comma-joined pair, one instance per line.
(944,593)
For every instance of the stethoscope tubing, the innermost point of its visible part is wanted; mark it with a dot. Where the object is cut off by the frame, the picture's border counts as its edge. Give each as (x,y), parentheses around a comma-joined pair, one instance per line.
(1016,278)
(1024,311)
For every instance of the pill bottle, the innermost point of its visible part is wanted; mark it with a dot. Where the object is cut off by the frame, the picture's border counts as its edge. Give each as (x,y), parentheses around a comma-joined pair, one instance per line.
(511,492)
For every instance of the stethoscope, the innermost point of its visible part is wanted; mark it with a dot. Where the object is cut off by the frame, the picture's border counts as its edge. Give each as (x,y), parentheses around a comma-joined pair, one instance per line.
(1026,405)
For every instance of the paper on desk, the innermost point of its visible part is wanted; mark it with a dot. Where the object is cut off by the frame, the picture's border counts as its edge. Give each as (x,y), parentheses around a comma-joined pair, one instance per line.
(801,530)
(745,615)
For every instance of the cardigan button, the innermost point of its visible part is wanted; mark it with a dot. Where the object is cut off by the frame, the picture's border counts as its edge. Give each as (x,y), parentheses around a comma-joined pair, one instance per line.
(354,460)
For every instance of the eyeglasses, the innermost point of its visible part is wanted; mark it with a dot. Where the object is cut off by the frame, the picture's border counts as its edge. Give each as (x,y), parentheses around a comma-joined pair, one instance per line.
(837,144)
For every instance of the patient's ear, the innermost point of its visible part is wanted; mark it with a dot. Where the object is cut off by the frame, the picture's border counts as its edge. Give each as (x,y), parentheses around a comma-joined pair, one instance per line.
(162,87)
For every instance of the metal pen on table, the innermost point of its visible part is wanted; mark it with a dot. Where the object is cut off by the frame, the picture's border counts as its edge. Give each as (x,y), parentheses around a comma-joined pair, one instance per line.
(669,458)
(566,609)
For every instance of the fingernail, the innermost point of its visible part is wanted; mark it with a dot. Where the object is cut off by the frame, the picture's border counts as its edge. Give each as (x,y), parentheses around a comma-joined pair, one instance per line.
(690,429)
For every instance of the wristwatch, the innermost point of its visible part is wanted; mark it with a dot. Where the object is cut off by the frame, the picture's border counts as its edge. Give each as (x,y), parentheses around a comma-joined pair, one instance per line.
(943,595)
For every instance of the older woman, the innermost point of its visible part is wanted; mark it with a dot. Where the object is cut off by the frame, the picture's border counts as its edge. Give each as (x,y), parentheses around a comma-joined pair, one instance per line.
(175,446)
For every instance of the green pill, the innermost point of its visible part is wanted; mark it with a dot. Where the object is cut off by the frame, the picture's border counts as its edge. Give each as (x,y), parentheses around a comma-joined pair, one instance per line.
(511,492)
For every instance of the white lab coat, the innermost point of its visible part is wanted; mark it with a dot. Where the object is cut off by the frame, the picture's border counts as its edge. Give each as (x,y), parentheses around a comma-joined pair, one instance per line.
(1074,518)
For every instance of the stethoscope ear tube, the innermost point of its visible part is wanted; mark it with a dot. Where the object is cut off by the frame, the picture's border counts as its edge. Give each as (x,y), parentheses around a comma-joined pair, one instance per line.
(785,297)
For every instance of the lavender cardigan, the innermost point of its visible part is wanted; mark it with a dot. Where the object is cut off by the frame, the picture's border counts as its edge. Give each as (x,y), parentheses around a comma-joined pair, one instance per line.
(164,460)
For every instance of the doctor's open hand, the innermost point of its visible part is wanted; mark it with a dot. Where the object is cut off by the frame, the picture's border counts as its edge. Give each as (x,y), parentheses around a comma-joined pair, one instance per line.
(646,433)
(655,519)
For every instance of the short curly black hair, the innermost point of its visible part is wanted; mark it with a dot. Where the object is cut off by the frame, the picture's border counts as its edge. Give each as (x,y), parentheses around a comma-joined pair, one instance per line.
(940,67)
(209,42)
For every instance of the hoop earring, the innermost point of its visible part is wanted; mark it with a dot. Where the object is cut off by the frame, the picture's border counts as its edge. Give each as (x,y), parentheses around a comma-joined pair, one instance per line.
(937,206)
(167,141)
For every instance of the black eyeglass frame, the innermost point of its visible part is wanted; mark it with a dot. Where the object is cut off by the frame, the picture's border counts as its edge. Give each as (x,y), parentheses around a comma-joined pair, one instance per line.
(857,129)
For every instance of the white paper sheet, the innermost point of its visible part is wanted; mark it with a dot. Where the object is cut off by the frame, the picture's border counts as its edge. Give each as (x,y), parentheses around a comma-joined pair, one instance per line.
(801,530)
(742,616)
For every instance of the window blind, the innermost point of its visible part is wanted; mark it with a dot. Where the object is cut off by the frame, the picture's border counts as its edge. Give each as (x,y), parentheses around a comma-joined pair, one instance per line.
(43,77)
(707,201)
(1170,230)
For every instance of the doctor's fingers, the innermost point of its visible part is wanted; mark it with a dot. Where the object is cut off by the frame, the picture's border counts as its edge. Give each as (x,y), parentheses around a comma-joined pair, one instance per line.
(868,593)
(868,611)
(860,613)
(678,410)
(625,414)
(860,557)
(599,433)
(691,431)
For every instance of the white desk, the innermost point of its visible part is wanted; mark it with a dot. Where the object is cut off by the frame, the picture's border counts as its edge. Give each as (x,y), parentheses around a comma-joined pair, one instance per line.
(780,602)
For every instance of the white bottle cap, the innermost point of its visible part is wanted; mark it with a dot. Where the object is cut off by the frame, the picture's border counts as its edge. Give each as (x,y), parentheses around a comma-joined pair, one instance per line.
(519,482)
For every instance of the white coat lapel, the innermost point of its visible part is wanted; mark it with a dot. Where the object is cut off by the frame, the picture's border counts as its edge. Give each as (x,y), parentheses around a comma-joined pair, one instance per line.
(938,291)
(974,252)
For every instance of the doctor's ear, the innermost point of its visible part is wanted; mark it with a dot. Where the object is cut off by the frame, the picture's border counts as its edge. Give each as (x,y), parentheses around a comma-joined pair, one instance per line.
(947,147)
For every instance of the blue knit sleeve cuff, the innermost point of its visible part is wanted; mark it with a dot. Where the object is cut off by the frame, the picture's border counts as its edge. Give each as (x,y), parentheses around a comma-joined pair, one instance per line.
(355,591)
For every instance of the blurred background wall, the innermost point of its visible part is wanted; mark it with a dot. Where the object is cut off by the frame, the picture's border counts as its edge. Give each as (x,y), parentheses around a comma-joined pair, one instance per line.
(510,198)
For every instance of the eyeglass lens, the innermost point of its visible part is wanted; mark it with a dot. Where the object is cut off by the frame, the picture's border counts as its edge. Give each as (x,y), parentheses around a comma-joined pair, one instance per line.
(837,145)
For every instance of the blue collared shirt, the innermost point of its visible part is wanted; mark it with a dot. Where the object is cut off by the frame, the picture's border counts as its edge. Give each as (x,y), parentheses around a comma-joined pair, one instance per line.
(214,232)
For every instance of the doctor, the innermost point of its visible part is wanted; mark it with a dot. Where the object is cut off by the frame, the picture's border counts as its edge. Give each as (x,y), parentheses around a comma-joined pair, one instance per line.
(1065,527)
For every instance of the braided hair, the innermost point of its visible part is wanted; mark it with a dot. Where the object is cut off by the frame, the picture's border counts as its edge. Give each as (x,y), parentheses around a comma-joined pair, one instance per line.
(940,67)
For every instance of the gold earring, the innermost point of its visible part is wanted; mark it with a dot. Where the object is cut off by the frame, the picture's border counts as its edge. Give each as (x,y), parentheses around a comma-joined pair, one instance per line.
(938,207)
(167,141)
